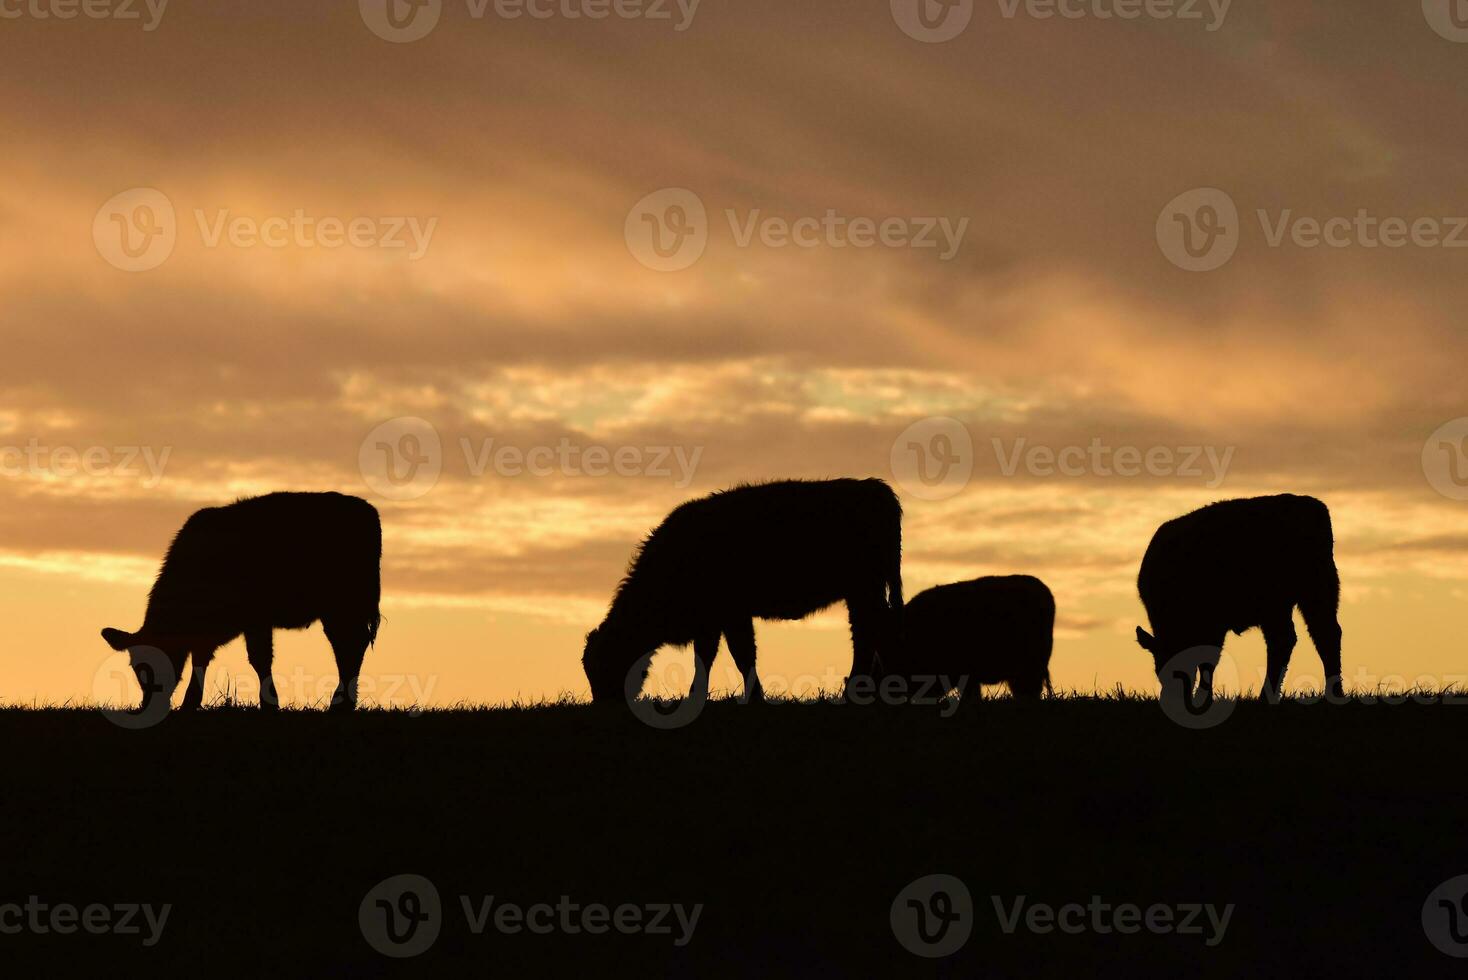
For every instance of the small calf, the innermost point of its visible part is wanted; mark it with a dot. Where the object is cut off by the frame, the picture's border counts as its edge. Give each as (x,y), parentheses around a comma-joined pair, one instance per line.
(989,630)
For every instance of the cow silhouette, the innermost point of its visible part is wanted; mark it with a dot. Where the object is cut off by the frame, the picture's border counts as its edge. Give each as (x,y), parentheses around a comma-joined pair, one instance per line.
(991,630)
(280,561)
(781,550)
(1234,565)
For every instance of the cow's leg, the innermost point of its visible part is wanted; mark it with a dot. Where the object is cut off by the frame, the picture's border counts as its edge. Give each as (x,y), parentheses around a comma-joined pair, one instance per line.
(1205,669)
(349,638)
(1279,638)
(194,696)
(867,612)
(741,646)
(705,650)
(1320,614)
(260,649)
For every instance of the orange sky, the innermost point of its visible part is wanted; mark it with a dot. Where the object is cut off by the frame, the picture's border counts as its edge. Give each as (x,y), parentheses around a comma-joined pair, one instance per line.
(511,157)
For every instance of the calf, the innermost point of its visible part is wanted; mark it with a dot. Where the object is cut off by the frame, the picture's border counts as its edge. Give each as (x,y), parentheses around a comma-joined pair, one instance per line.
(281,561)
(1234,565)
(768,551)
(986,631)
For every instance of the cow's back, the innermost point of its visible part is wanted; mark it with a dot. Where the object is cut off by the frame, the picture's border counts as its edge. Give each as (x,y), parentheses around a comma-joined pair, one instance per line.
(286,557)
(776,548)
(991,628)
(1235,560)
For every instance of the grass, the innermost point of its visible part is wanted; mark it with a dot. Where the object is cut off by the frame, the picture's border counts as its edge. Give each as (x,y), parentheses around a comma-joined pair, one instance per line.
(795,824)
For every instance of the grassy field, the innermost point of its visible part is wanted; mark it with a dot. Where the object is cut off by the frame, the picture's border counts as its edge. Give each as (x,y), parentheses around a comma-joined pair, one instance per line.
(794,826)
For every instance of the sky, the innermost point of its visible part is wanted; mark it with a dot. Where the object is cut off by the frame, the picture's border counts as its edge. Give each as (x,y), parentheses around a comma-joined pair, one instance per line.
(563,271)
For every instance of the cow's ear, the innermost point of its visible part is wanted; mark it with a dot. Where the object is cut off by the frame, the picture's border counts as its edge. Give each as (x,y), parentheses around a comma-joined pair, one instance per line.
(117,639)
(1144,639)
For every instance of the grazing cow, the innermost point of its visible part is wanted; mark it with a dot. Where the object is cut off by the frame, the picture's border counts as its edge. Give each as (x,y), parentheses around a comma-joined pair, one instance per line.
(779,550)
(995,629)
(1237,564)
(281,561)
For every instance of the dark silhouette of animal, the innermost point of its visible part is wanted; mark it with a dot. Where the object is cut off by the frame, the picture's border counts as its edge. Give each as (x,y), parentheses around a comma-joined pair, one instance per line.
(1234,565)
(989,630)
(780,550)
(280,561)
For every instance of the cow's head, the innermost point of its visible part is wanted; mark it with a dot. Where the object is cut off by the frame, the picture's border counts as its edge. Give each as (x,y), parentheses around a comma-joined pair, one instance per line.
(157,661)
(1153,646)
(1182,657)
(608,659)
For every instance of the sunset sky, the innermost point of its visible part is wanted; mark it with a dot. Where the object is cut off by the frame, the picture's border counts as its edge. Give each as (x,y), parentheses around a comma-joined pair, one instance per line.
(518,161)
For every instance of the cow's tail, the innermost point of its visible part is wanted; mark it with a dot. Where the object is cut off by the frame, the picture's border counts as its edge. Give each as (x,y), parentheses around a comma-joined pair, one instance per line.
(374,618)
(1049,642)
(892,581)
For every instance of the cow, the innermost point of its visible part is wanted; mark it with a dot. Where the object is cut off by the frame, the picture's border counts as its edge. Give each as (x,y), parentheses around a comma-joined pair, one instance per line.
(991,630)
(279,561)
(1234,565)
(782,550)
